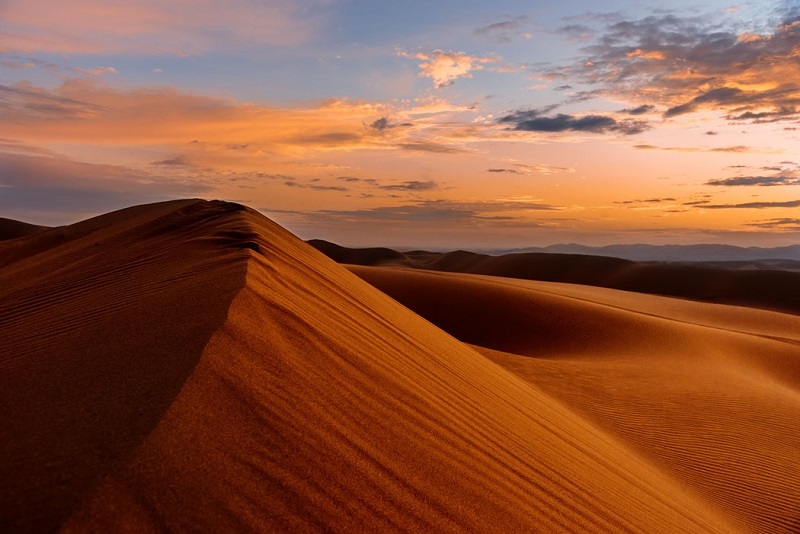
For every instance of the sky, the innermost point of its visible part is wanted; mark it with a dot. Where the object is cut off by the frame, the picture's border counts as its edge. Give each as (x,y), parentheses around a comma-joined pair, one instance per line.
(448,124)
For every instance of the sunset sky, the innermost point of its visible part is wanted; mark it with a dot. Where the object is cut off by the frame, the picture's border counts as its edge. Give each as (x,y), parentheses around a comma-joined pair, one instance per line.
(449,124)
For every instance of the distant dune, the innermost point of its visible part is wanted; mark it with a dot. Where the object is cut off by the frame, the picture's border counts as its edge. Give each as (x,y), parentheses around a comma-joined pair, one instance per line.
(191,366)
(762,287)
(10,229)
(708,394)
(676,253)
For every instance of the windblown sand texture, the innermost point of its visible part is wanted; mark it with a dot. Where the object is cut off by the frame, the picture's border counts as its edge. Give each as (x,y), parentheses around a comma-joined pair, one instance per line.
(191,366)
(707,394)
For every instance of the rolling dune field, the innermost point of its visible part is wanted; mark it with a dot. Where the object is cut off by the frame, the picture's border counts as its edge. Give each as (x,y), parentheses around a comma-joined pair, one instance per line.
(192,366)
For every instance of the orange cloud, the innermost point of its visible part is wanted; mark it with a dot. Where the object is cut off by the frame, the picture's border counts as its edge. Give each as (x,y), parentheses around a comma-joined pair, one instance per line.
(211,132)
(444,68)
(652,54)
(690,65)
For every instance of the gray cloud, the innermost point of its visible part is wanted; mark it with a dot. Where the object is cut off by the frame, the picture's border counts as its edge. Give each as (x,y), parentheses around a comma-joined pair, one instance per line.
(738,149)
(380,124)
(578,32)
(179,161)
(354,179)
(314,186)
(439,210)
(411,185)
(647,201)
(383,124)
(503,31)
(764,181)
(722,95)
(430,146)
(498,27)
(532,121)
(777,224)
(330,139)
(640,110)
(755,205)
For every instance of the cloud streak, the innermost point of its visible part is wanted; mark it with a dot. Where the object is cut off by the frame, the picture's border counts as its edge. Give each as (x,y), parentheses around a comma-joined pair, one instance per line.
(754,205)
(504,31)
(440,210)
(736,149)
(783,224)
(762,181)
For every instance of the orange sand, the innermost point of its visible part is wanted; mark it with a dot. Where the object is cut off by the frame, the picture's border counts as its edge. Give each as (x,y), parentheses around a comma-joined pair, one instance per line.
(192,366)
(707,394)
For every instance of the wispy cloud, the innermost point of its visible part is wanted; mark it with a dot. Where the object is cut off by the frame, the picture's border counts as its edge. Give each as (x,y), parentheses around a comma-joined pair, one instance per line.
(430,146)
(647,201)
(737,149)
(411,185)
(444,211)
(520,168)
(783,224)
(763,181)
(755,205)
(314,185)
(506,30)
(639,110)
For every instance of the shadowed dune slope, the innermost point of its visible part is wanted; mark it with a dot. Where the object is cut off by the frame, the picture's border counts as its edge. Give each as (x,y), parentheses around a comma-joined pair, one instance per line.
(707,393)
(192,366)
(10,229)
(764,288)
(100,324)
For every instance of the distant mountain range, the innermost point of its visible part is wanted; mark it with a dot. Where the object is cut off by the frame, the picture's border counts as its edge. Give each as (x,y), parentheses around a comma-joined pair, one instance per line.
(679,253)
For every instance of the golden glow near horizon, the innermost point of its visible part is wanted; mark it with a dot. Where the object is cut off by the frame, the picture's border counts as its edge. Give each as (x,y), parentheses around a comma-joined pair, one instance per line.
(452,127)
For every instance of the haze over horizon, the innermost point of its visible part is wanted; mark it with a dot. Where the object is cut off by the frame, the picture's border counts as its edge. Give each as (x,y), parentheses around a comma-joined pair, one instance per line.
(457,124)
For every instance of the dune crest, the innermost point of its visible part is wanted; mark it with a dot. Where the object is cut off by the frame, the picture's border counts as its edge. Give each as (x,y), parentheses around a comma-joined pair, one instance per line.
(193,366)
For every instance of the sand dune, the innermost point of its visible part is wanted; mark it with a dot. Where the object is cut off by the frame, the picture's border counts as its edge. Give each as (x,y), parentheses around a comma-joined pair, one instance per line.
(710,282)
(707,394)
(192,366)
(11,229)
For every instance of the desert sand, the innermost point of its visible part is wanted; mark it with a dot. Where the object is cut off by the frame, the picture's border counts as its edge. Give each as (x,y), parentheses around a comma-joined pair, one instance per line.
(190,365)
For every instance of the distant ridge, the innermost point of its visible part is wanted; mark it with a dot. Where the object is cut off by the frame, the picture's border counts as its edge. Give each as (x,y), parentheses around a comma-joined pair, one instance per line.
(683,253)
(708,282)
